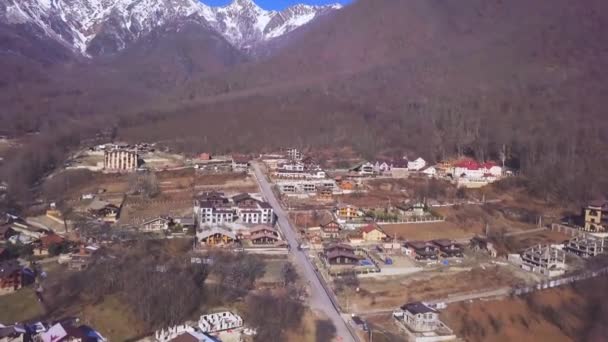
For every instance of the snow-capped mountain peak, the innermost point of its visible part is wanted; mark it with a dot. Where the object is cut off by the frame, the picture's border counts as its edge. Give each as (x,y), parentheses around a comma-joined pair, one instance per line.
(95,27)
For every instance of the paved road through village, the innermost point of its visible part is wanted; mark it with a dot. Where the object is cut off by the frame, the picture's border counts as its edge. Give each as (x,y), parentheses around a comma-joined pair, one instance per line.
(319,298)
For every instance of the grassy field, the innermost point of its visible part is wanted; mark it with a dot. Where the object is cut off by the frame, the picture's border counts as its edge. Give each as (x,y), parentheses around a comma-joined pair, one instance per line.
(273,270)
(20,306)
(112,318)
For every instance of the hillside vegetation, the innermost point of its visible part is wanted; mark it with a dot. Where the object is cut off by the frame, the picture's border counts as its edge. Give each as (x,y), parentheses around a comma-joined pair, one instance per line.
(430,77)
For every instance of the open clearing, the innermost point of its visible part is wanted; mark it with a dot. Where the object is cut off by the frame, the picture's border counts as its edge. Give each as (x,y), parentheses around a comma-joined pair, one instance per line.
(427,231)
(112,318)
(19,306)
(517,243)
(563,314)
(390,293)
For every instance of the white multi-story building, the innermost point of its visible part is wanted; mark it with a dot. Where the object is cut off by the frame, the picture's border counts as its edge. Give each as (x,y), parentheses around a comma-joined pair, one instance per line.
(422,323)
(306,186)
(293,154)
(215,209)
(299,170)
(364,169)
(416,165)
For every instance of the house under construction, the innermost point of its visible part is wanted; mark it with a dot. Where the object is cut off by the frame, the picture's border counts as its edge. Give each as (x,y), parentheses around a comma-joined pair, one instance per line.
(587,245)
(546,260)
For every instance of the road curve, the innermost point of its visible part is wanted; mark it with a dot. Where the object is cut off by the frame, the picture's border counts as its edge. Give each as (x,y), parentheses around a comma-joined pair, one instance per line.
(319,298)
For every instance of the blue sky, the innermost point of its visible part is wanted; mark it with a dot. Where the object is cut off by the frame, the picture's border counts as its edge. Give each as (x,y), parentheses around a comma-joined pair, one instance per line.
(277,4)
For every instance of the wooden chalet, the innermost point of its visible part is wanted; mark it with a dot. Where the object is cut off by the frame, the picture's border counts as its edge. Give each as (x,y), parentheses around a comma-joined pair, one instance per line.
(340,254)
(215,237)
(330,230)
(448,248)
(421,250)
(263,238)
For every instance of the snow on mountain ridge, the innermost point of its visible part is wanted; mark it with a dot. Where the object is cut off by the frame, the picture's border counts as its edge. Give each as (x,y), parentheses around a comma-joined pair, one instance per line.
(94,27)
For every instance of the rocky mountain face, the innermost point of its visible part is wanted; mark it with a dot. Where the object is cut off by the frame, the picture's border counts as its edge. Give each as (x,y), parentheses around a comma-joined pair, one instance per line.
(102,27)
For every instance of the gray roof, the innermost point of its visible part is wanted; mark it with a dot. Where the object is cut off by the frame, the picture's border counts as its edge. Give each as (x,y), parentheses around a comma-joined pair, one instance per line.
(418,308)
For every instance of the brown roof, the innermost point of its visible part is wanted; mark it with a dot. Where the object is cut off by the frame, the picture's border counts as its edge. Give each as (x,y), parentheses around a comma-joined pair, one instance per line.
(330,222)
(343,254)
(369,228)
(444,242)
(263,235)
(417,244)
(185,337)
(262,227)
(50,239)
(600,203)
(339,245)
(241,159)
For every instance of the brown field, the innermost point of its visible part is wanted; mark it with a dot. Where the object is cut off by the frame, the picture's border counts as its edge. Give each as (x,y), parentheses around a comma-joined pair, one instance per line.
(310,219)
(563,314)
(514,244)
(385,329)
(389,293)
(428,231)
(137,210)
(233,182)
(498,320)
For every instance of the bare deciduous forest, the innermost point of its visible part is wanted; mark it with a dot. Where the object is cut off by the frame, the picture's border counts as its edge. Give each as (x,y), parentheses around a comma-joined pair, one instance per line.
(520,79)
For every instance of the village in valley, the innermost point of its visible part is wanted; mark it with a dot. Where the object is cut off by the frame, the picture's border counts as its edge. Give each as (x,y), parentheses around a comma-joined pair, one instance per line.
(385,249)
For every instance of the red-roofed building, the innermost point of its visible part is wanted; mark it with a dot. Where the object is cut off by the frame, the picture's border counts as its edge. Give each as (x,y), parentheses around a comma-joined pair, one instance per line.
(46,242)
(471,169)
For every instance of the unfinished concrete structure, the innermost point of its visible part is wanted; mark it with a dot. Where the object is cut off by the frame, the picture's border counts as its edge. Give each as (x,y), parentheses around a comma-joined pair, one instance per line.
(587,245)
(219,322)
(309,186)
(120,160)
(546,260)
